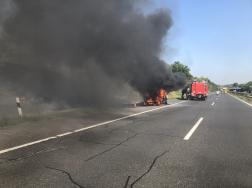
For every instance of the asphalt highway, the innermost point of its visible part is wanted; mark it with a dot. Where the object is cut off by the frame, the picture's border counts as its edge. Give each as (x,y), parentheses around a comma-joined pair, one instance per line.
(183,144)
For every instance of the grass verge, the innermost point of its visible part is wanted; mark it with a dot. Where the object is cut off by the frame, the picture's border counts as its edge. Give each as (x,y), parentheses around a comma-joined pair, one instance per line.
(174,94)
(244,98)
(17,120)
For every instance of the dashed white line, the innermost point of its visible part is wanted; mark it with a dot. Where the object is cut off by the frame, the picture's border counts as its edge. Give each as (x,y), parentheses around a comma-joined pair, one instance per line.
(193,129)
(68,133)
(241,100)
(213,103)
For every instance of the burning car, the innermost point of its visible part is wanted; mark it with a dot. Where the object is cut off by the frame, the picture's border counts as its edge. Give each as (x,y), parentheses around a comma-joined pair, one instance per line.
(161,98)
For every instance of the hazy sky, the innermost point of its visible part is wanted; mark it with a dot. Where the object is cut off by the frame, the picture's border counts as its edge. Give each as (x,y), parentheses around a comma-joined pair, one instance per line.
(214,38)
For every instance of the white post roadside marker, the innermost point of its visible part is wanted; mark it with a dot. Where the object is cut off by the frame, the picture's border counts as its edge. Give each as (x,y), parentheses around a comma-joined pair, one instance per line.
(19,107)
(193,129)
(213,103)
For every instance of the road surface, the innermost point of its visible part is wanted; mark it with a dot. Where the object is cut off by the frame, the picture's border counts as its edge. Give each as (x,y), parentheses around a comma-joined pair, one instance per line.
(184,144)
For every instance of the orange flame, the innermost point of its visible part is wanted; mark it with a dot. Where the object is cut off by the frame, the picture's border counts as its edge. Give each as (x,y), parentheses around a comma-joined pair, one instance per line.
(157,100)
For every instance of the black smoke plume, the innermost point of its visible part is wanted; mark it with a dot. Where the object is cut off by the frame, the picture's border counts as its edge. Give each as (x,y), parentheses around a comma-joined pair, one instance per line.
(107,42)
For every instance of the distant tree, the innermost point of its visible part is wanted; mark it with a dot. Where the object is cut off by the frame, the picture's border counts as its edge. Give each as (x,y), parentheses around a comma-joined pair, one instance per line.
(235,84)
(241,85)
(200,79)
(178,67)
(248,87)
(169,67)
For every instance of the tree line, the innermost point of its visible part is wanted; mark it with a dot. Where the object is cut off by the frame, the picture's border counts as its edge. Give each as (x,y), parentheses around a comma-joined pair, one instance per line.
(247,87)
(178,67)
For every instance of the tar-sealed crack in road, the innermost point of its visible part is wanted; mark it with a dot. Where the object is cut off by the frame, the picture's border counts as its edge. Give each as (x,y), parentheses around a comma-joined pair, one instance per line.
(70,178)
(150,168)
(111,148)
(196,117)
(153,134)
(135,121)
(89,141)
(125,125)
(46,150)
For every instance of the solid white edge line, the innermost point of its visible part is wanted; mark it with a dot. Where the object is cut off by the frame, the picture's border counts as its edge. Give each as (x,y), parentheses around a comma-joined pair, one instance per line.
(241,100)
(124,117)
(193,129)
(60,135)
(213,103)
(24,145)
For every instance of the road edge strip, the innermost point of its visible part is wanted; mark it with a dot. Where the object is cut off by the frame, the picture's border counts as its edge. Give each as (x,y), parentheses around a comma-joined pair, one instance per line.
(78,130)
(241,100)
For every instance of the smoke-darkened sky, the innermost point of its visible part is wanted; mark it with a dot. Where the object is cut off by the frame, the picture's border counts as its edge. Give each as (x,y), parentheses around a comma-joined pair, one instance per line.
(112,35)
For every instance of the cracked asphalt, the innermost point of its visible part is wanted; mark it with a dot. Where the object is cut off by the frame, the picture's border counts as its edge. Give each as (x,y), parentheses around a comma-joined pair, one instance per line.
(147,150)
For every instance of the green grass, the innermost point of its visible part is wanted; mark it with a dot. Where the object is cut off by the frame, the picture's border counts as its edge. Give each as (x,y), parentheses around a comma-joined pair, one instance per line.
(174,94)
(9,121)
(244,98)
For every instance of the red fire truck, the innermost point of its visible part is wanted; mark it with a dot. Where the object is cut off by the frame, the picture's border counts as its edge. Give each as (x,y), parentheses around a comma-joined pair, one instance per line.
(197,90)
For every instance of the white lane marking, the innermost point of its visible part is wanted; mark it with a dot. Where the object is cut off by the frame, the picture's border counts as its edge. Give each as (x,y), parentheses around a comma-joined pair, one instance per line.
(24,145)
(193,129)
(241,100)
(213,103)
(60,135)
(124,118)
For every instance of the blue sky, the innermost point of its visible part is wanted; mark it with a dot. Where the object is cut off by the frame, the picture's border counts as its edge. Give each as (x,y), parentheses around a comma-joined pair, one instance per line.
(213,38)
